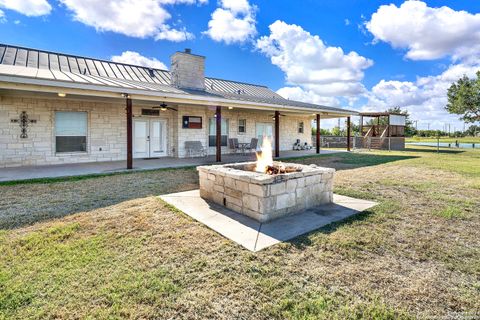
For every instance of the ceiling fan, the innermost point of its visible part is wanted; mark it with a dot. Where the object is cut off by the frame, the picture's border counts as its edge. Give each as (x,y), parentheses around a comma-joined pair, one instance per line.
(164,107)
(273,116)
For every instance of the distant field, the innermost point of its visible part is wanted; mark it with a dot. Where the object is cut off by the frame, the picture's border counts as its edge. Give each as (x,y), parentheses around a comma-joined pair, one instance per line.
(445,139)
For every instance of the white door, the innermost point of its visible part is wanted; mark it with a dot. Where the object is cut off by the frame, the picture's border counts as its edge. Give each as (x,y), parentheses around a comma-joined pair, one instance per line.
(140,139)
(264,130)
(149,138)
(158,138)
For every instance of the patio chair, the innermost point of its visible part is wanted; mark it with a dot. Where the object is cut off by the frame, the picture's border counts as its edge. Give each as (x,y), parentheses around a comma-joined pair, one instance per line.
(233,144)
(252,146)
(194,148)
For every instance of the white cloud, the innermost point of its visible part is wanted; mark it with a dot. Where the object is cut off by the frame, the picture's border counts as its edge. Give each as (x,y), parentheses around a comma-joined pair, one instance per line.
(134,18)
(299,94)
(135,58)
(2,17)
(425,98)
(347,22)
(427,33)
(233,22)
(311,65)
(31,8)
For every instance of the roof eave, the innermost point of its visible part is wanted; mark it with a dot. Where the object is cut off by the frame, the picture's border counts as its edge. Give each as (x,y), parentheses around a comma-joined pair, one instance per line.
(44,85)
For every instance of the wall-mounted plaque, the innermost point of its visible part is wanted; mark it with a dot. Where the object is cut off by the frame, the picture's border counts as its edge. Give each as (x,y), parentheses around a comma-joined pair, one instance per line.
(150,112)
(192,122)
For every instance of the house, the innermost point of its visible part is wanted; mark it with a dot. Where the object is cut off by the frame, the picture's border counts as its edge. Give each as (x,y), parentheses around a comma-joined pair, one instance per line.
(57,108)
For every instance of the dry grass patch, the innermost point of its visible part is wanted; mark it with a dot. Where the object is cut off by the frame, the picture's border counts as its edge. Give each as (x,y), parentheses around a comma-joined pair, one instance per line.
(108,248)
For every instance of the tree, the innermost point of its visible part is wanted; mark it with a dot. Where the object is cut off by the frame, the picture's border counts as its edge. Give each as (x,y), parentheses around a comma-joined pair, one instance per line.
(473,130)
(464,98)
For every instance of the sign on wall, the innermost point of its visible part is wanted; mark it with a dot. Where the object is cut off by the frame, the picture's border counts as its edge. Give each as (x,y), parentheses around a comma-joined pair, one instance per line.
(192,122)
(397,120)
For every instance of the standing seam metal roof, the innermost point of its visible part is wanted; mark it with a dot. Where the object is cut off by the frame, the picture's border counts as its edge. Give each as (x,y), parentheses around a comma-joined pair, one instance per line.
(64,67)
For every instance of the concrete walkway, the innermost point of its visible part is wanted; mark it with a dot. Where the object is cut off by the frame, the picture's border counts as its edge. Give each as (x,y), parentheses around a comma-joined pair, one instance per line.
(79,169)
(254,235)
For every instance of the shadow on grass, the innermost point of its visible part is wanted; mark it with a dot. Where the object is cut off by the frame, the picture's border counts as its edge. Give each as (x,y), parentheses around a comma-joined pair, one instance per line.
(434,150)
(304,241)
(342,161)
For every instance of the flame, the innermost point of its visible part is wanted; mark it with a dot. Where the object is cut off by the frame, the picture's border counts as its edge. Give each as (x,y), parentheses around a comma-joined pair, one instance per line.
(265,158)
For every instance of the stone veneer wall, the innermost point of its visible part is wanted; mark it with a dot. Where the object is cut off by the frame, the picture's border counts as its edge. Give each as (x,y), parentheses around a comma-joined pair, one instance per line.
(288,127)
(266,197)
(106,134)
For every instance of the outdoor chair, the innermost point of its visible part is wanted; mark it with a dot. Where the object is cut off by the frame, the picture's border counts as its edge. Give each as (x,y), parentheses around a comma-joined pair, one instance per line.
(233,144)
(252,146)
(195,148)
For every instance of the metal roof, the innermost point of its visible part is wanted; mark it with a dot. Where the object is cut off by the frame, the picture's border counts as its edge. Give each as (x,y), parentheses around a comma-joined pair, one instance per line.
(39,64)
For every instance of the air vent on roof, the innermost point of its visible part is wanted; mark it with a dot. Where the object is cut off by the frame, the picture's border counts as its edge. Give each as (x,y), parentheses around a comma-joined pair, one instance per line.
(188,50)
(151,73)
(240,91)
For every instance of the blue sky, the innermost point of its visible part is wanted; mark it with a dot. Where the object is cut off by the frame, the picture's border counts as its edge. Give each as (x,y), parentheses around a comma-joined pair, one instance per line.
(365,55)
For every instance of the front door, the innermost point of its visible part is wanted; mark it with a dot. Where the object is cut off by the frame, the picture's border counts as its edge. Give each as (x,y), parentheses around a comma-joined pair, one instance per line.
(149,138)
(264,130)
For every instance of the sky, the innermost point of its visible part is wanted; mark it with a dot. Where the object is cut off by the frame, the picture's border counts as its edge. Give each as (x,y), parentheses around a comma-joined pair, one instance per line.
(364,55)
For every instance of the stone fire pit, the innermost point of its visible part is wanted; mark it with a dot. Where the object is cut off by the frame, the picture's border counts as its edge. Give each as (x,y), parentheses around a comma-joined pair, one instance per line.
(262,196)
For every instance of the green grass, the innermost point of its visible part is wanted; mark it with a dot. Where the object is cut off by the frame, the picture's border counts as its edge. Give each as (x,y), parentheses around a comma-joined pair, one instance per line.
(451,212)
(105,247)
(85,177)
(475,140)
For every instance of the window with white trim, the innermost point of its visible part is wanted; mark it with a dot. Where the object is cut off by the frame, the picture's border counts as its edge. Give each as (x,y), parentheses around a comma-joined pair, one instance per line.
(212,132)
(70,131)
(242,125)
(300,127)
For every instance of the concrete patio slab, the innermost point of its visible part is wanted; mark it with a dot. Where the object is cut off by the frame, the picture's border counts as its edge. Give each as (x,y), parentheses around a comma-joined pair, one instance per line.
(88,168)
(254,235)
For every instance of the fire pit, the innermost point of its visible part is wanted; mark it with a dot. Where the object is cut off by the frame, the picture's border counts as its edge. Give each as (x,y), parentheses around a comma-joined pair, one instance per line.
(265,190)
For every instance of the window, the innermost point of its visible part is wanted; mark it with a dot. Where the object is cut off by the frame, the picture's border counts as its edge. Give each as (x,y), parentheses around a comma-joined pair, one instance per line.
(242,125)
(71,131)
(212,132)
(300,127)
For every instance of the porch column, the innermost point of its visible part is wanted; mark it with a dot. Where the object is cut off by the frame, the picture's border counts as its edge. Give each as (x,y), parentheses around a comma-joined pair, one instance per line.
(218,138)
(277,134)
(348,134)
(318,133)
(129,133)
(361,125)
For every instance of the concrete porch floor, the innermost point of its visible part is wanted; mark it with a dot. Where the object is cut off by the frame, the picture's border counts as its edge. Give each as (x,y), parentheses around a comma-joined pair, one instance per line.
(80,169)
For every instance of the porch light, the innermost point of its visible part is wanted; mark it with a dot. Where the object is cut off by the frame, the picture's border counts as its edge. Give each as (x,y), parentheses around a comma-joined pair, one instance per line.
(163,106)
(230,108)
(62,95)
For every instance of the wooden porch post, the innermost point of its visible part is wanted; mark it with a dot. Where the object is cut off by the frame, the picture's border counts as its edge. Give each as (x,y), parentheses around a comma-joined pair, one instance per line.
(348,133)
(277,134)
(361,125)
(129,133)
(218,137)
(318,133)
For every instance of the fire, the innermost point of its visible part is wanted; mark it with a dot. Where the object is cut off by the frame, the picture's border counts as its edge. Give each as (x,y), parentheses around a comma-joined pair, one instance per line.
(264,159)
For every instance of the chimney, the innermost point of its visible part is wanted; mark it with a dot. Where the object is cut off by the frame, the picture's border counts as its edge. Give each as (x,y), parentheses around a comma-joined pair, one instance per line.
(187,70)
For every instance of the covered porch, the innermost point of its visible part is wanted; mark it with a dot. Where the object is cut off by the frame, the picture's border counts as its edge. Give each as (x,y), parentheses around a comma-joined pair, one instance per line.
(109,167)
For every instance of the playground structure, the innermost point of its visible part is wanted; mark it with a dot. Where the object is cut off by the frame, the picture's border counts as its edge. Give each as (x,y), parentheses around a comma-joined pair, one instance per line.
(381,130)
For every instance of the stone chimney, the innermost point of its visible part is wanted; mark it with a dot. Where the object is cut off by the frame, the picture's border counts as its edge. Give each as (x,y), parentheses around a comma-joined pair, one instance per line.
(187,70)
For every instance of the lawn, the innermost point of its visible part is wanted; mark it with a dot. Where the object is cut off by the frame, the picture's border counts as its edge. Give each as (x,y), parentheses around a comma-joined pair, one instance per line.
(475,140)
(107,247)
